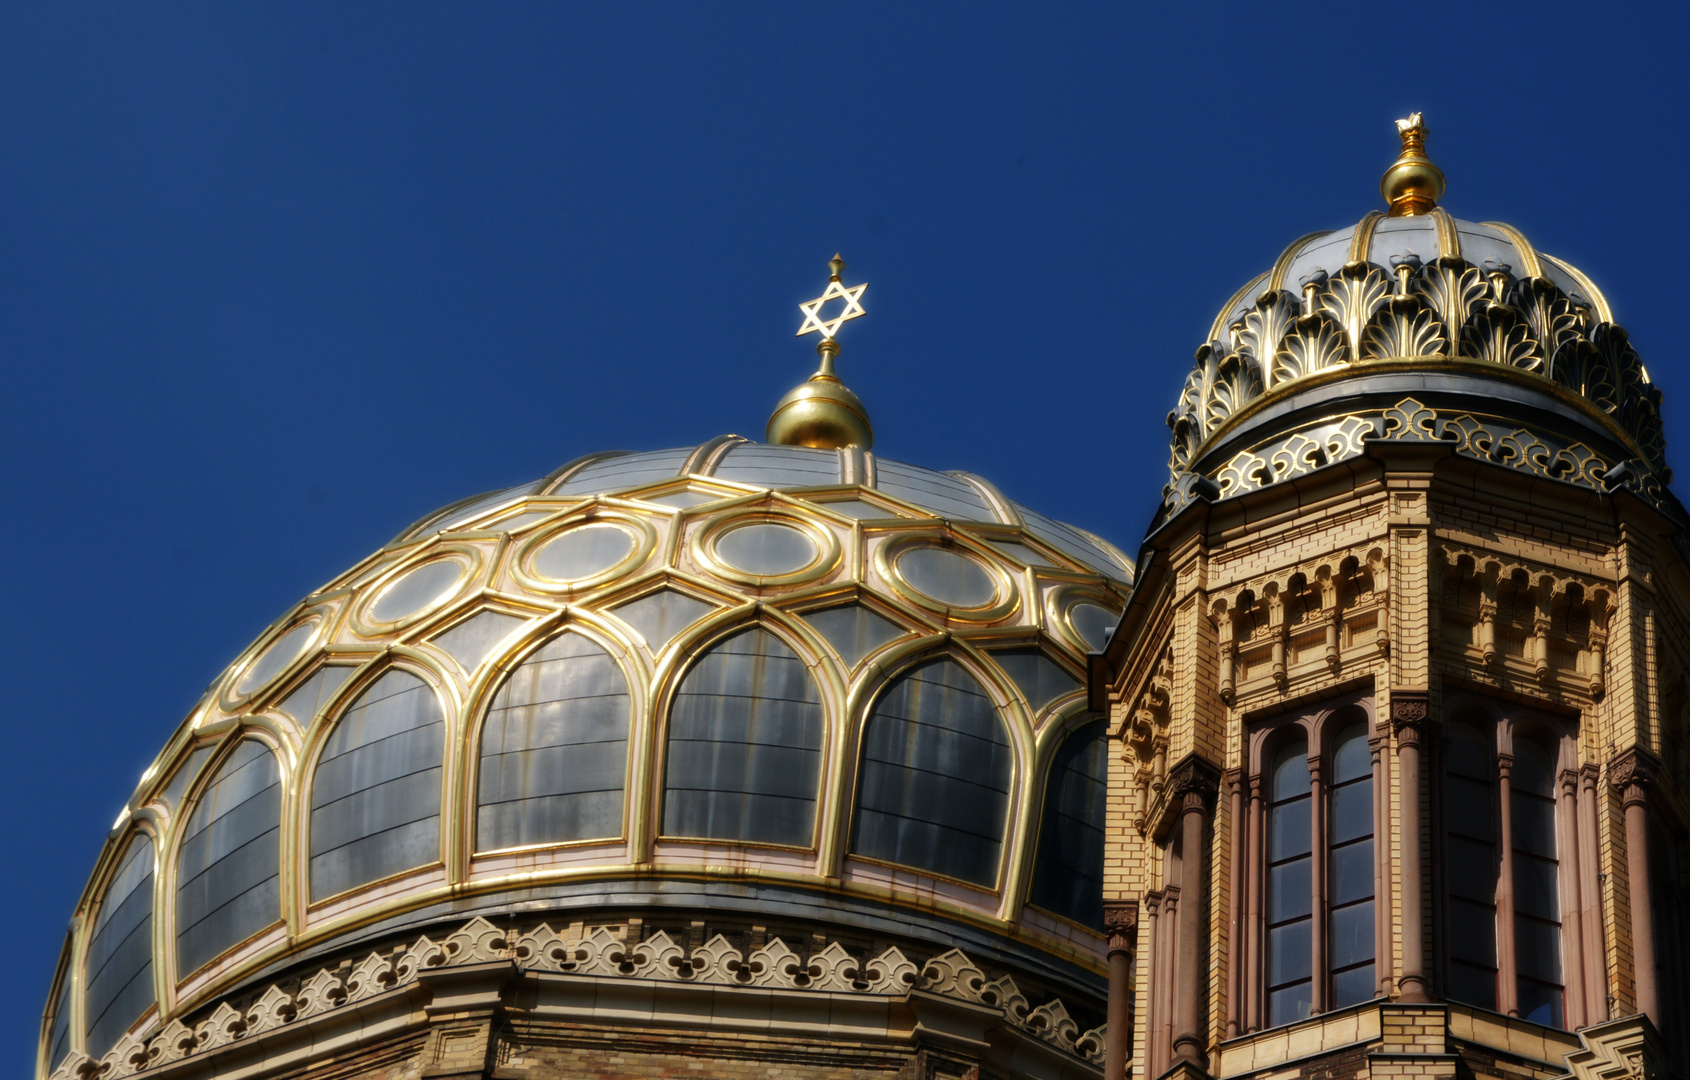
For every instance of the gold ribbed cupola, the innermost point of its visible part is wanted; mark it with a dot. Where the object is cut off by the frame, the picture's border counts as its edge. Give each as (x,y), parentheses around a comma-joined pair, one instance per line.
(822,412)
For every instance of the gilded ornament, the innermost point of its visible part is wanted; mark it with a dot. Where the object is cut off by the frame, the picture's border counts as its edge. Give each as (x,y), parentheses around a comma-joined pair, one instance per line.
(823,412)
(1412,185)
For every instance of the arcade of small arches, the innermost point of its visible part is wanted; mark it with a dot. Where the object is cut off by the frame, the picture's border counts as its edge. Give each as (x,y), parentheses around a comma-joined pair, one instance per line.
(756,687)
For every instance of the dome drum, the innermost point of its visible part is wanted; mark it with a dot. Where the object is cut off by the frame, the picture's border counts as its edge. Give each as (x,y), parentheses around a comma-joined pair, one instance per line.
(632,693)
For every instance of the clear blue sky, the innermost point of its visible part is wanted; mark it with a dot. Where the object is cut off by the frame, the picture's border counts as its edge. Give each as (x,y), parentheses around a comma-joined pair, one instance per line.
(275,281)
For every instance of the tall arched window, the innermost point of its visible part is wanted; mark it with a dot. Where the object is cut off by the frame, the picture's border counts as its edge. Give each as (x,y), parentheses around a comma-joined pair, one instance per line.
(1470,821)
(1290,903)
(933,791)
(1307,868)
(228,884)
(1068,874)
(745,745)
(120,952)
(554,749)
(1350,840)
(375,796)
(1503,880)
(1537,906)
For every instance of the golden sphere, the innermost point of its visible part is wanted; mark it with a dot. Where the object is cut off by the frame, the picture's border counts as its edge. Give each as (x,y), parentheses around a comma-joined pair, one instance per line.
(820,413)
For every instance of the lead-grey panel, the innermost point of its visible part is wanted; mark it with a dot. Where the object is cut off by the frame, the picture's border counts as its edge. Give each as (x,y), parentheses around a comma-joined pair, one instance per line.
(935,776)
(228,885)
(944,495)
(659,616)
(626,471)
(779,466)
(1068,873)
(745,741)
(554,749)
(375,796)
(1070,540)
(1041,679)
(854,630)
(483,504)
(120,953)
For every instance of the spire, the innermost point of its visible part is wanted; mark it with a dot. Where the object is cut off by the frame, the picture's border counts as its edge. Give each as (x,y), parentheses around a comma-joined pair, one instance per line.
(1412,185)
(822,412)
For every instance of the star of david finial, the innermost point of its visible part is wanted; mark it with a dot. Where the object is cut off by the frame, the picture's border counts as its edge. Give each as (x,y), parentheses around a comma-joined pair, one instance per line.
(852,295)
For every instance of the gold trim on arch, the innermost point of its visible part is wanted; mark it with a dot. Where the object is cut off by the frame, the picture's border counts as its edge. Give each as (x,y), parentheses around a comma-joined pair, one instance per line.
(478,700)
(297,798)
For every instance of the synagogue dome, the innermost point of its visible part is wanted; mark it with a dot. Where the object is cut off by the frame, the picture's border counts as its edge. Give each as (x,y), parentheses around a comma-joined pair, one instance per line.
(732,688)
(1413,321)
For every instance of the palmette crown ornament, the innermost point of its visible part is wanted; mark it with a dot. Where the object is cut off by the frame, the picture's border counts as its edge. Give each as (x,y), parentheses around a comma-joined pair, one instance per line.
(1413,324)
(822,412)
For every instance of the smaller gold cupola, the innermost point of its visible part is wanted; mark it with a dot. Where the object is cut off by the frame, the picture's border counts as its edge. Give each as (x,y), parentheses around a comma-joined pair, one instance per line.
(1412,185)
(822,412)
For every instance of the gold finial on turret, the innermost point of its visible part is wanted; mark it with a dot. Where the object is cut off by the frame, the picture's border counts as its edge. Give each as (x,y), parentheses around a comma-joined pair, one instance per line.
(1412,185)
(822,412)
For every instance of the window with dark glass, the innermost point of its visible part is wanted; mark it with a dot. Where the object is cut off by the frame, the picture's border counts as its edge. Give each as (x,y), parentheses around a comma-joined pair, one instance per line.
(120,953)
(1537,907)
(1503,875)
(745,745)
(1290,897)
(1350,844)
(228,868)
(1068,874)
(1308,868)
(554,749)
(375,797)
(933,791)
(1470,819)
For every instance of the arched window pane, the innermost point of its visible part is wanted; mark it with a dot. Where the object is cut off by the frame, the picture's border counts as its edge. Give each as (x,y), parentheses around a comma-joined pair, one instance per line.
(1068,875)
(1537,907)
(554,749)
(227,876)
(375,796)
(58,1036)
(120,953)
(1472,865)
(935,776)
(745,742)
(1350,842)
(1290,903)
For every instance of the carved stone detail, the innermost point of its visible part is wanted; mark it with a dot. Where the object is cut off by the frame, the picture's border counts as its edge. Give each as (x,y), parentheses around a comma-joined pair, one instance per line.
(1120,922)
(1409,713)
(595,953)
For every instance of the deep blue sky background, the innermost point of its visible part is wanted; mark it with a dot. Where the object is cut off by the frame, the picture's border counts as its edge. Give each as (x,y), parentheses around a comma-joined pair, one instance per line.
(275,281)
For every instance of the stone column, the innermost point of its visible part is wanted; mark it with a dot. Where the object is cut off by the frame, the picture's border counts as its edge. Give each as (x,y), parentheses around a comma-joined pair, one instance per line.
(1632,774)
(1120,922)
(1590,904)
(1194,784)
(1409,721)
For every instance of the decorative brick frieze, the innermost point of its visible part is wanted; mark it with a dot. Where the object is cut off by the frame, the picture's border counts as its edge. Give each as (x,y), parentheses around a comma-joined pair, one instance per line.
(474,971)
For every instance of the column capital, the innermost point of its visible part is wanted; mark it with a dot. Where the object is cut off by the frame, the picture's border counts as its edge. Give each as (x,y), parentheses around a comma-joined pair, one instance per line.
(1410,714)
(1194,782)
(1634,774)
(1120,924)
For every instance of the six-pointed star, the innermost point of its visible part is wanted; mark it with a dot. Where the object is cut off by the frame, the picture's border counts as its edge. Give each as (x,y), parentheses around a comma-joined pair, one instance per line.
(853,297)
